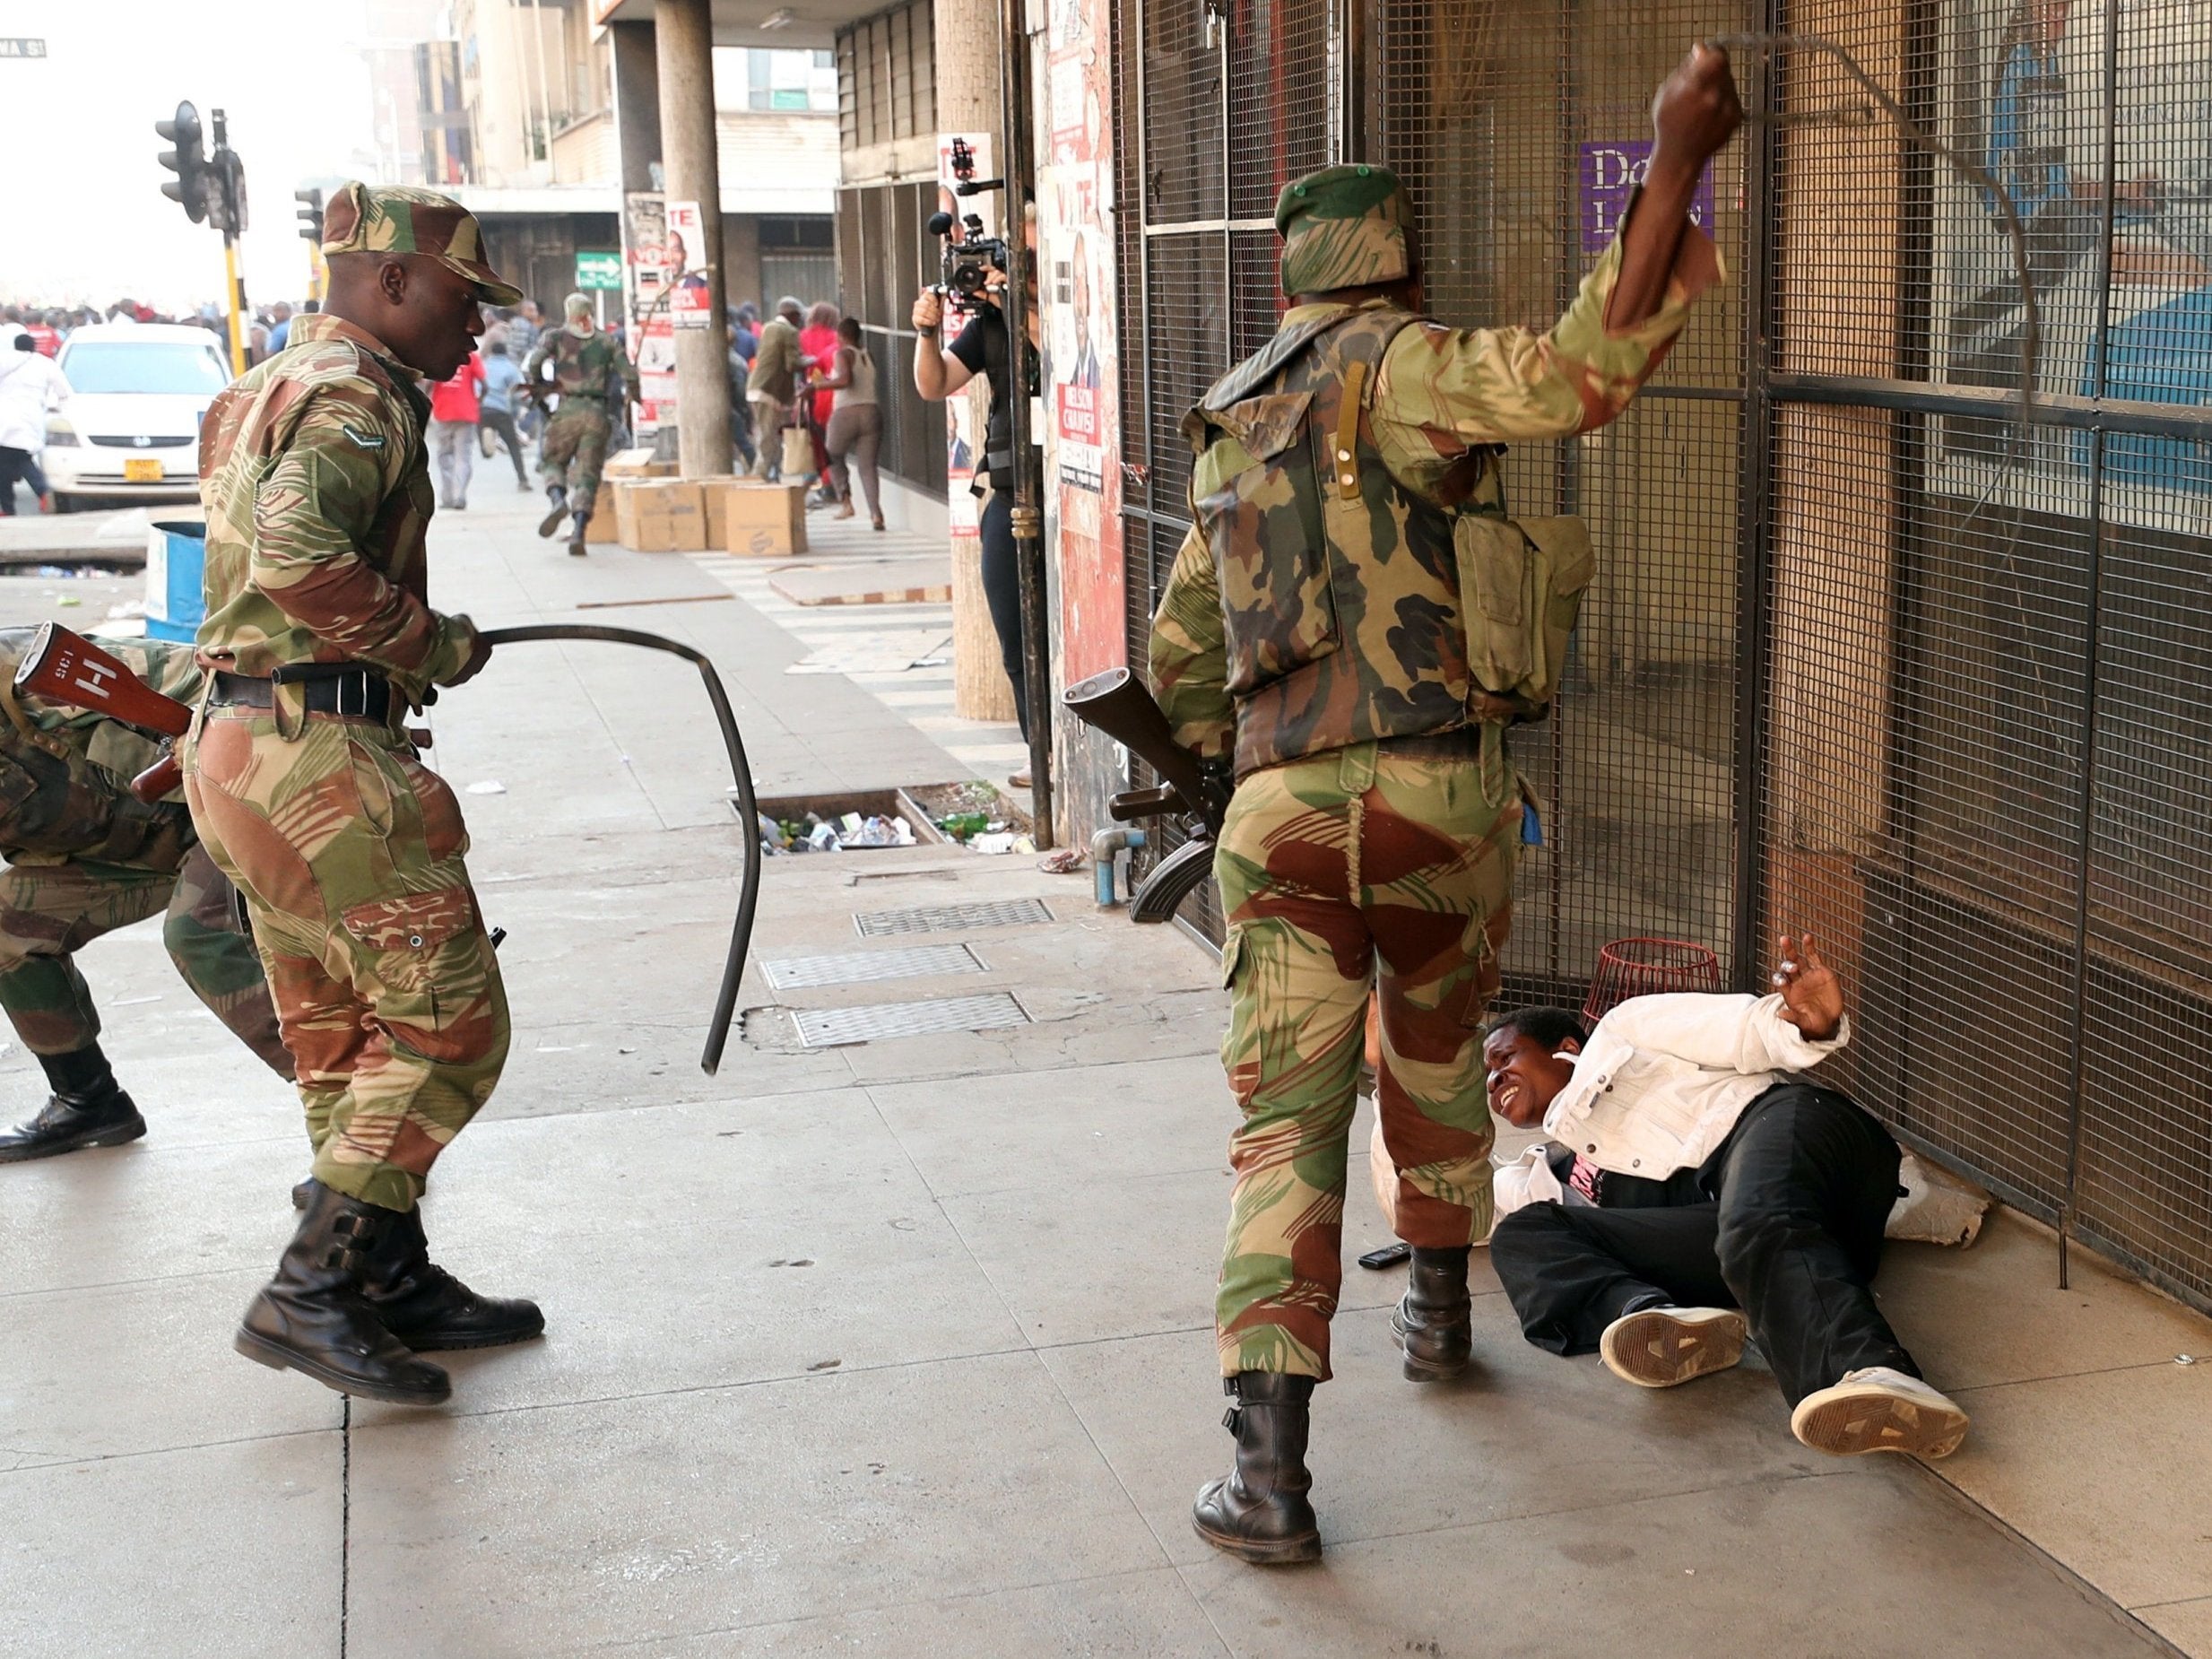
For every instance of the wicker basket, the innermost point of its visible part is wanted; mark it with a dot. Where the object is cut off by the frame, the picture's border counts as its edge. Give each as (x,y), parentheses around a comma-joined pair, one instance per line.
(1642,967)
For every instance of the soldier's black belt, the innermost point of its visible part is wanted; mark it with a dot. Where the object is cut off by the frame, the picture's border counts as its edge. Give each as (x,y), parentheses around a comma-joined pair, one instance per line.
(329,688)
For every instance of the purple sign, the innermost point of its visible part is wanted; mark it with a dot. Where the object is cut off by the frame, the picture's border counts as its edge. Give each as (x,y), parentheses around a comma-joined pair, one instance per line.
(1610,173)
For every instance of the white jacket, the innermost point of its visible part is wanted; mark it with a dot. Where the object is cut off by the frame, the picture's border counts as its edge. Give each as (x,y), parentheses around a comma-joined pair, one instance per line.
(1659,1084)
(29,386)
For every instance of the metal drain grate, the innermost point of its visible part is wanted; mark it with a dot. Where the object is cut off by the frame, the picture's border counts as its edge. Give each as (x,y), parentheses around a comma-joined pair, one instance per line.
(951,918)
(833,1027)
(862,967)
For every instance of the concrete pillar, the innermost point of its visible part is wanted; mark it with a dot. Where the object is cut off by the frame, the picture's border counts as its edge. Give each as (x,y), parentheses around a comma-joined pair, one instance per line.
(636,103)
(967,51)
(684,35)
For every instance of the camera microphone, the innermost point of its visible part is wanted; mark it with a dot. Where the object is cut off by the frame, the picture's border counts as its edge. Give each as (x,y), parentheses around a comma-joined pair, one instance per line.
(940,223)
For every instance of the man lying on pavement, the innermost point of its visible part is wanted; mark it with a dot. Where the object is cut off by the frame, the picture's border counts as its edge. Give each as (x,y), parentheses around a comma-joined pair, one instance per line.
(1693,1176)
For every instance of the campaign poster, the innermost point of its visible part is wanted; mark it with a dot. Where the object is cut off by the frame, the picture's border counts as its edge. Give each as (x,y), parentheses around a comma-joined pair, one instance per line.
(691,295)
(1610,173)
(1075,209)
(2025,93)
(648,335)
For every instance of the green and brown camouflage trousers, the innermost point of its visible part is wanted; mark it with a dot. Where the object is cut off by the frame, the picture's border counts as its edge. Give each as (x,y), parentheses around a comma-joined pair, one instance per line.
(348,853)
(49,912)
(1385,864)
(574,451)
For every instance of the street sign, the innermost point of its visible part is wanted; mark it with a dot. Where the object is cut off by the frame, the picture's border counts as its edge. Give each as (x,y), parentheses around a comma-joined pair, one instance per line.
(22,45)
(596,270)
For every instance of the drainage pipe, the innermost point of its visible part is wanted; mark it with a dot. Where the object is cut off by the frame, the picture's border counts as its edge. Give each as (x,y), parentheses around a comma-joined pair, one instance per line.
(1104,845)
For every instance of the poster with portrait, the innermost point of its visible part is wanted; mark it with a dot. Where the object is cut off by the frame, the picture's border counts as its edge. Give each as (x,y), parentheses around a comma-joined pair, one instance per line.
(1075,245)
(690,297)
(648,335)
(2025,95)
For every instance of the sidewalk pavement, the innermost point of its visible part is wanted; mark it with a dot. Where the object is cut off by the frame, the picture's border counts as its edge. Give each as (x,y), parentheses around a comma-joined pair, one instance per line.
(904,1348)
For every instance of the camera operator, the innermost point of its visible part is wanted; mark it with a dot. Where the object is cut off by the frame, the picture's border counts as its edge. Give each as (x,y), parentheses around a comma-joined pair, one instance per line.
(939,373)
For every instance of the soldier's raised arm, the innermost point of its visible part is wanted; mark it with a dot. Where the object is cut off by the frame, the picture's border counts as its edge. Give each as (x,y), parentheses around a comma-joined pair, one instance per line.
(1443,391)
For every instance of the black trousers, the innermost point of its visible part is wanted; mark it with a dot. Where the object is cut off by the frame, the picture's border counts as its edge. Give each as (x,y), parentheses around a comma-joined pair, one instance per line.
(1002,590)
(15,463)
(1791,1232)
(500,423)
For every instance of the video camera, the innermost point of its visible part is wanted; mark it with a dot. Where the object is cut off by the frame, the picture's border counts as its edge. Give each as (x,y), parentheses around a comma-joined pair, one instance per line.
(969,258)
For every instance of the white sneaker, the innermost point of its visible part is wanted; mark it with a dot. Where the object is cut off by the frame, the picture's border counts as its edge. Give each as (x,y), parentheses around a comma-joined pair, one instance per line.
(1880,1410)
(1659,1347)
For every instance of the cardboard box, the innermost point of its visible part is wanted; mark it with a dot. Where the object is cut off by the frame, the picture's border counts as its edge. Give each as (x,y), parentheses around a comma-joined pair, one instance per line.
(768,520)
(660,516)
(636,463)
(600,527)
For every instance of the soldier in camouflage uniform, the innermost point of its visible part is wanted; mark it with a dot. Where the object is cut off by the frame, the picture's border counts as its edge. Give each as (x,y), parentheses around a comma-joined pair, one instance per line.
(1313,632)
(306,789)
(587,365)
(85,856)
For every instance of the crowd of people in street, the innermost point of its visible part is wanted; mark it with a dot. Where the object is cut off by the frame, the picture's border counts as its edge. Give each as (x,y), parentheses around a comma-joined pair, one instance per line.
(818,381)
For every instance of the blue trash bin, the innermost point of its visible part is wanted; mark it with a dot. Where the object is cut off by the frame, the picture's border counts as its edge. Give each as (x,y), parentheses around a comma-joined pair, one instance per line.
(176,568)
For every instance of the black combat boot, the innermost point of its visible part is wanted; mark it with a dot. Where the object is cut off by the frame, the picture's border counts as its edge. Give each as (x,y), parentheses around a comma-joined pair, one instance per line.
(425,1306)
(1259,1512)
(1434,1320)
(311,1318)
(86,1109)
(556,498)
(576,537)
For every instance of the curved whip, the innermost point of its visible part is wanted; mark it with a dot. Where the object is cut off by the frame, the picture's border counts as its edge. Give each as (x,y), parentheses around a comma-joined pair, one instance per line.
(740,933)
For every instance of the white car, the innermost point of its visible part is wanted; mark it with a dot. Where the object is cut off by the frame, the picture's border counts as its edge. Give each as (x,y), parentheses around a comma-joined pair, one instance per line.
(130,430)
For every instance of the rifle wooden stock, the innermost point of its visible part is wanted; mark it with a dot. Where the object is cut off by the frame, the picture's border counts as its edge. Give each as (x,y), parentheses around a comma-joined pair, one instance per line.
(159,779)
(69,668)
(1117,703)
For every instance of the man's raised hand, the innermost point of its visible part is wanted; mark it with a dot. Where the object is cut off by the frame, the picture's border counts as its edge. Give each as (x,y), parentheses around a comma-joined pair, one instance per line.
(1695,112)
(1812,996)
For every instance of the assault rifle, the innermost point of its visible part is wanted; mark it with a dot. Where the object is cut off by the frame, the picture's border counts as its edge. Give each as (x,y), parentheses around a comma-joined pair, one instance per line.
(69,668)
(1197,791)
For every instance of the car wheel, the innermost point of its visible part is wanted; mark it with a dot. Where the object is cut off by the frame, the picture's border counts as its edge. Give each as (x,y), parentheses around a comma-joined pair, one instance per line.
(64,503)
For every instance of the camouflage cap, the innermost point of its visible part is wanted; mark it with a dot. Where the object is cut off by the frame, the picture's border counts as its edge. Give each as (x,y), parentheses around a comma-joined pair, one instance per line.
(398,218)
(1344,227)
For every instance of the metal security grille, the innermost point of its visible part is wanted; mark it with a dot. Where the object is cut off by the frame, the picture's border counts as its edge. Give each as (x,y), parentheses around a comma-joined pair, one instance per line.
(951,918)
(1518,128)
(1867,655)
(1221,107)
(1983,735)
(788,973)
(839,1028)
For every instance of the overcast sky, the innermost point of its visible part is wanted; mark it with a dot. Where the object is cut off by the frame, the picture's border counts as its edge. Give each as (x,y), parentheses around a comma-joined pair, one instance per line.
(82,216)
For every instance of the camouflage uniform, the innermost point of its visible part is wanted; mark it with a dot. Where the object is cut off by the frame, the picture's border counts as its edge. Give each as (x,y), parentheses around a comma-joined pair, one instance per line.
(316,479)
(574,450)
(1313,628)
(86,857)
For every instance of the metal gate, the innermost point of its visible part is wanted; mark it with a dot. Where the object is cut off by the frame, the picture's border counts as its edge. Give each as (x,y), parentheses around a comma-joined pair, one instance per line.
(1867,655)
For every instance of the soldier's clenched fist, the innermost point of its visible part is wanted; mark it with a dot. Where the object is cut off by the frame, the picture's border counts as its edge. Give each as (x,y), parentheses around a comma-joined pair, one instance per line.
(1696,110)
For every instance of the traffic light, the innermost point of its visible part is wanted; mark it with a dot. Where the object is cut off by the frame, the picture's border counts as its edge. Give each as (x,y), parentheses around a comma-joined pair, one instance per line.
(187,160)
(311,214)
(226,184)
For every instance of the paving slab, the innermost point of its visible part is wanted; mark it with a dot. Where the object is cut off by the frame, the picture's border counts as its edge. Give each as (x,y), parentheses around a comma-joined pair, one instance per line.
(1993,1312)
(1146,1615)
(726,1508)
(2109,1471)
(1872,1565)
(2188,1624)
(924,580)
(226,1551)
(118,1369)
(808,1238)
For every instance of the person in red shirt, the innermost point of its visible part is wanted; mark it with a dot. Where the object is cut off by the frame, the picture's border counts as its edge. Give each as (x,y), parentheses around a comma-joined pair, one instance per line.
(44,336)
(818,342)
(455,405)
